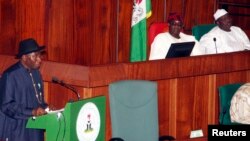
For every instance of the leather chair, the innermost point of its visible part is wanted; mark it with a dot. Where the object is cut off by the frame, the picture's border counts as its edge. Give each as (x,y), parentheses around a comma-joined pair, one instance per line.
(199,30)
(134,111)
(226,93)
(156,28)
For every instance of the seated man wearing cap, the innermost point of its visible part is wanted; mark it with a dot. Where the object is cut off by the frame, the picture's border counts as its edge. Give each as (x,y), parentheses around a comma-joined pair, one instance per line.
(21,95)
(224,37)
(163,41)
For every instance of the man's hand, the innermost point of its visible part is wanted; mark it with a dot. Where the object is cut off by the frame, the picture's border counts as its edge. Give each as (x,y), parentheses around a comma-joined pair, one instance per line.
(38,111)
(51,108)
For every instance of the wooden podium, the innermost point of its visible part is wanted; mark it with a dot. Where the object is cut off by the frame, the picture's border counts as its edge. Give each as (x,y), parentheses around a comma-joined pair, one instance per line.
(81,120)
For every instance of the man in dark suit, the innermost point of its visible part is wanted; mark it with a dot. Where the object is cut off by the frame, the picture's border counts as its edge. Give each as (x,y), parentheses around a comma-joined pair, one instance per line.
(22,95)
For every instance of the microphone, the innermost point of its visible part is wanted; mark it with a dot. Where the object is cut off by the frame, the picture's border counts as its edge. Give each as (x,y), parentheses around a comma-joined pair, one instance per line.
(215,45)
(60,82)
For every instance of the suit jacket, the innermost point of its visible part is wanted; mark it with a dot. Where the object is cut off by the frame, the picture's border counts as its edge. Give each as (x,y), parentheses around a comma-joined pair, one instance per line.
(17,100)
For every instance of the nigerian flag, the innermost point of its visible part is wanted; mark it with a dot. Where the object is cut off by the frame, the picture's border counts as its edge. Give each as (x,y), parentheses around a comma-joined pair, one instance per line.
(141,11)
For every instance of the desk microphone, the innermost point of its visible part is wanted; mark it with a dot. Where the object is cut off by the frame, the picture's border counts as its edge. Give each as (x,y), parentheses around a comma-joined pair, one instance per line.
(60,82)
(215,45)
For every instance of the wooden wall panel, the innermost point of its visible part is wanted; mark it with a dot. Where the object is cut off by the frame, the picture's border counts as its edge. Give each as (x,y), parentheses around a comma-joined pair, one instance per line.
(7,28)
(124,26)
(91,32)
(159,11)
(185,114)
(21,19)
(103,48)
(168,87)
(197,12)
(193,12)
(83,31)
(30,17)
(61,31)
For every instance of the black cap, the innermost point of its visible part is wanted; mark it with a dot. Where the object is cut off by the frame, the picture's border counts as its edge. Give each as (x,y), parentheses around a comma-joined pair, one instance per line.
(27,46)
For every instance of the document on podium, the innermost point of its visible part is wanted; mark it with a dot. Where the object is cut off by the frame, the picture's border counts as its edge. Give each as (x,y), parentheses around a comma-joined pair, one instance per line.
(55,111)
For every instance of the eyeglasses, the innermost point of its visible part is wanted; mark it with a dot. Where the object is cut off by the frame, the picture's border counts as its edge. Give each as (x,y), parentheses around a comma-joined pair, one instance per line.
(179,24)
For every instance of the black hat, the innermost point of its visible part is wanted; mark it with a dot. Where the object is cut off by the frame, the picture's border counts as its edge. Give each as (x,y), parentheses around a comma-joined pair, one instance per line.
(27,46)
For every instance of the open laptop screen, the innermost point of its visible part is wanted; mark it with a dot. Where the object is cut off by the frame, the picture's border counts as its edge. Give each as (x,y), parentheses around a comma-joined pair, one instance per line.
(180,49)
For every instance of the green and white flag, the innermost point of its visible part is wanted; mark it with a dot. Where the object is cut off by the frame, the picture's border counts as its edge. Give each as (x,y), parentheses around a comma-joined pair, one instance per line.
(141,11)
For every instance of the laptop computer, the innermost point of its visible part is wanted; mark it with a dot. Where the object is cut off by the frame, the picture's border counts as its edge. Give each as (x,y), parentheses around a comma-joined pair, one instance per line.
(180,49)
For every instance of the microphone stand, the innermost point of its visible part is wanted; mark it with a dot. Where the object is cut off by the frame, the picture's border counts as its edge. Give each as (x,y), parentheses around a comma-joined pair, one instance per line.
(71,88)
(215,45)
(60,82)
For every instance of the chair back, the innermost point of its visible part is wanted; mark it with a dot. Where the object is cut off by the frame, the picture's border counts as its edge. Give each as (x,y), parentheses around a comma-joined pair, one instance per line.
(226,93)
(155,29)
(134,110)
(199,30)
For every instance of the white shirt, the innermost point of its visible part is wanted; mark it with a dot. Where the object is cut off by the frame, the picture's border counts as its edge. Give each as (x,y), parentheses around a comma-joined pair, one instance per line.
(235,40)
(163,41)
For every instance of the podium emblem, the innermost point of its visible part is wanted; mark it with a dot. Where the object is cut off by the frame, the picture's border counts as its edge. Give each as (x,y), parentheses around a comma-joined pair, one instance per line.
(88,122)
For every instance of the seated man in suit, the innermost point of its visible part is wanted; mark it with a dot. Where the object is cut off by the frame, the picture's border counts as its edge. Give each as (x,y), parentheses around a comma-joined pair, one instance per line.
(240,105)
(163,41)
(224,37)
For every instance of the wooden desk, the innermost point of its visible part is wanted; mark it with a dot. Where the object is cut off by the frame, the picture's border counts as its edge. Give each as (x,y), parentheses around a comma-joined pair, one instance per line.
(187,87)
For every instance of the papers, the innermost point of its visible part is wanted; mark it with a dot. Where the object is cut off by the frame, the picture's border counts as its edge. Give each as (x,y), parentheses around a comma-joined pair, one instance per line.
(55,111)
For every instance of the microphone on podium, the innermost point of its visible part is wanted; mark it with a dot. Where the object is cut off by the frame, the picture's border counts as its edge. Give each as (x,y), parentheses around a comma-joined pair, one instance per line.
(60,82)
(215,45)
